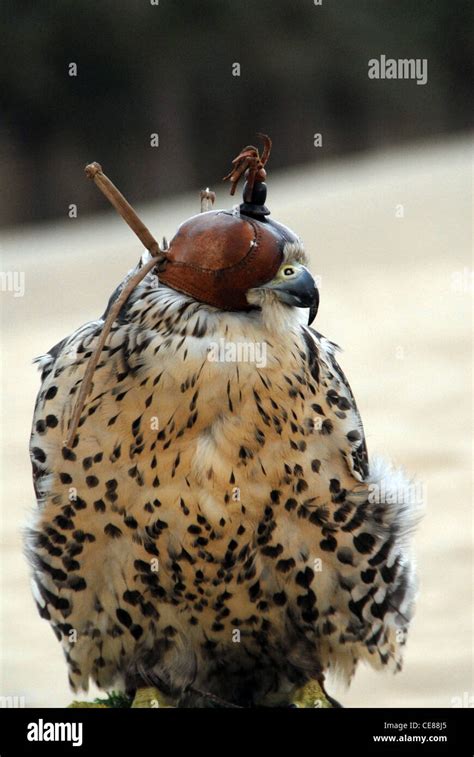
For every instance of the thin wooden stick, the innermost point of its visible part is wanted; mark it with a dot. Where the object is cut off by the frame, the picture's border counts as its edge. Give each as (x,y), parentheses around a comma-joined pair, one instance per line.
(94,171)
(129,286)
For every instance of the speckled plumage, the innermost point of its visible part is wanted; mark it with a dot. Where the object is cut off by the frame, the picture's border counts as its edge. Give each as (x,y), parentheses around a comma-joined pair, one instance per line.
(214,525)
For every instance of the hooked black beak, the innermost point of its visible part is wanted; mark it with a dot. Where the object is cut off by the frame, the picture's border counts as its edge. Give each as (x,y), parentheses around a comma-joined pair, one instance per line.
(301,292)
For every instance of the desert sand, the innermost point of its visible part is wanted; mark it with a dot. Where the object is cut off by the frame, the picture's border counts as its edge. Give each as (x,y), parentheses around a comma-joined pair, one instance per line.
(389,235)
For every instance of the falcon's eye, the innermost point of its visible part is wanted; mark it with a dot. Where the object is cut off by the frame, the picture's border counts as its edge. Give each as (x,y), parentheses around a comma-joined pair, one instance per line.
(288,270)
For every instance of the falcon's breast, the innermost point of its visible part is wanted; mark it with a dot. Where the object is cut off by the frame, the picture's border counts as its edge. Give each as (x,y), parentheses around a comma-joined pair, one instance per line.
(216,511)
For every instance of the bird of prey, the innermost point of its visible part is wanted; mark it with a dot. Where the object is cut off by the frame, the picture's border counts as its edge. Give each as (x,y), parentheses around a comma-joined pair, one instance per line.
(215,533)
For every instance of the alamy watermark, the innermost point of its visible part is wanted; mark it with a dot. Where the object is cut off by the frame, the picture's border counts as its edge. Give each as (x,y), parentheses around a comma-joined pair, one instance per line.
(399,68)
(463,281)
(466,700)
(411,494)
(12,702)
(65,731)
(13,281)
(224,351)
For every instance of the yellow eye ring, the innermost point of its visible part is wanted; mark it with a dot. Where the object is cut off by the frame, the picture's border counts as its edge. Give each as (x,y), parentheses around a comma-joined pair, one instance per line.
(288,271)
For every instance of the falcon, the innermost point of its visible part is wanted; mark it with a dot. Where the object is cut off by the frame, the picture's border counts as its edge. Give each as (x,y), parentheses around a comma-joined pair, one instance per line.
(214,534)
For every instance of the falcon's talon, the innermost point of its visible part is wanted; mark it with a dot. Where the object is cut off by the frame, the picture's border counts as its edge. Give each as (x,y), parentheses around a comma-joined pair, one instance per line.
(152,698)
(310,696)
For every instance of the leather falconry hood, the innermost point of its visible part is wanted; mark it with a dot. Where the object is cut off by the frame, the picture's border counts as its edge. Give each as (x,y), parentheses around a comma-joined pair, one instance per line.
(217,256)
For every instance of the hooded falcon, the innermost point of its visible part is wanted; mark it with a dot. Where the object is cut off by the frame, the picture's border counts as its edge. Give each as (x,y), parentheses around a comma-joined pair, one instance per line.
(215,533)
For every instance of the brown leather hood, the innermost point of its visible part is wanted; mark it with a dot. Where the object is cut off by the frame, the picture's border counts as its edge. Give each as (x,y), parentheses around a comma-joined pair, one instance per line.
(216,257)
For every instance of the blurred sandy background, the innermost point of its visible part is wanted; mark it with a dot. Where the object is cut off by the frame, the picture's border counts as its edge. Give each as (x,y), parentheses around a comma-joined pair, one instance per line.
(390,236)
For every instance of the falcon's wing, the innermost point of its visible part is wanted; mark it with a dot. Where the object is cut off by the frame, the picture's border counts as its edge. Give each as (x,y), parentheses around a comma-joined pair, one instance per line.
(340,400)
(367,527)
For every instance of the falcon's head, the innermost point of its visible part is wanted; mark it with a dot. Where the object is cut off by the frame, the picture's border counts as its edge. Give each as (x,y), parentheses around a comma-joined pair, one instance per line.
(240,259)
(292,285)
(235,261)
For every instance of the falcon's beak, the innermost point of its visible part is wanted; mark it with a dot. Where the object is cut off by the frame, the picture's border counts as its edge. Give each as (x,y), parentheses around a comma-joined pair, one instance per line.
(294,285)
